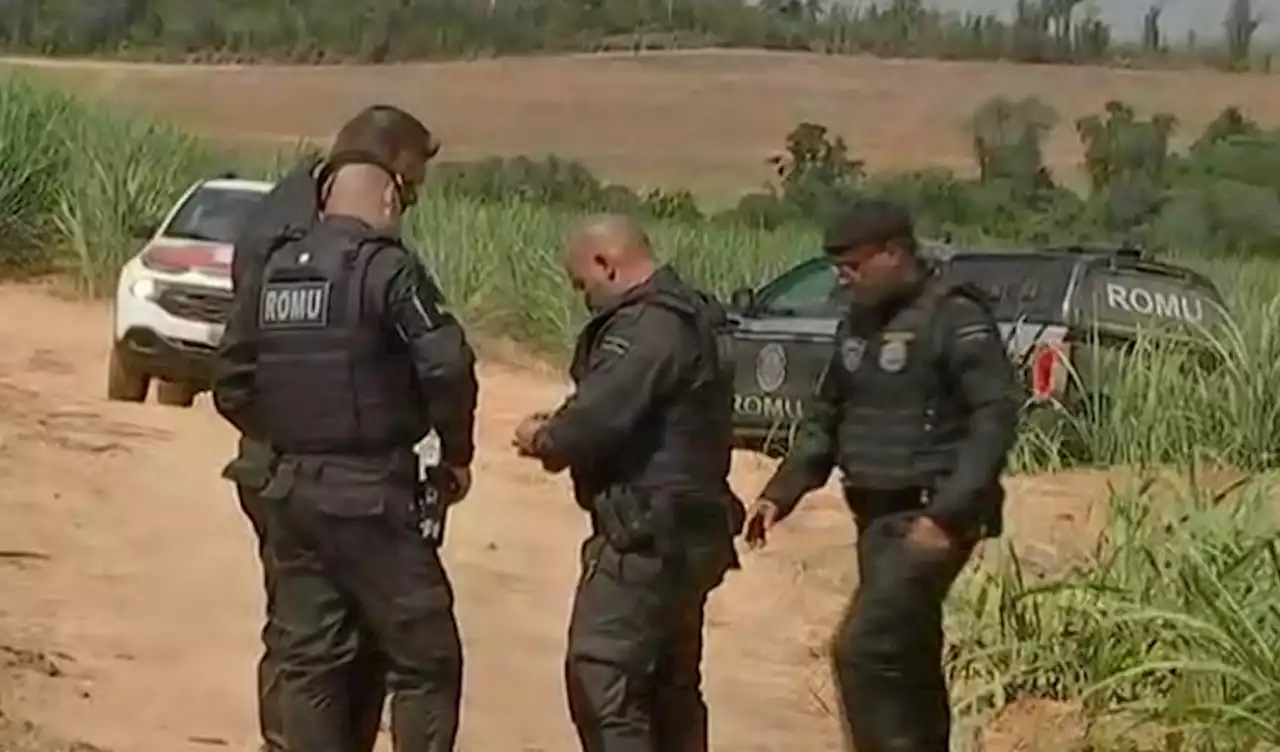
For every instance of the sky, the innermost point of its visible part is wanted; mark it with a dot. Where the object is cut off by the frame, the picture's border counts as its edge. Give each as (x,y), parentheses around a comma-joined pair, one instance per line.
(1125,16)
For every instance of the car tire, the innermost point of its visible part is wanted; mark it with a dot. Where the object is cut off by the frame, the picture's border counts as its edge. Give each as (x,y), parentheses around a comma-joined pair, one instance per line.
(174,394)
(123,384)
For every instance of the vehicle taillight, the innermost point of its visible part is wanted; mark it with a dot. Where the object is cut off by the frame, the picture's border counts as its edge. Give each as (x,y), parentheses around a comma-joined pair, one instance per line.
(169,259)
(179,259)
(1048,371)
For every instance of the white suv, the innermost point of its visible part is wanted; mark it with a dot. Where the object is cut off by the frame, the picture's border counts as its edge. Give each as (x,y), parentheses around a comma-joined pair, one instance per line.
(173,298)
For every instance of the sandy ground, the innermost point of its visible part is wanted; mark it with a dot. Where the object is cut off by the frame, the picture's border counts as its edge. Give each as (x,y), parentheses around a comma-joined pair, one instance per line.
(130,599)
(700,120)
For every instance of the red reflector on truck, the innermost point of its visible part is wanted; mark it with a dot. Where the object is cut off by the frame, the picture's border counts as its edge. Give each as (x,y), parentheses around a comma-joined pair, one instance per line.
(1047,371)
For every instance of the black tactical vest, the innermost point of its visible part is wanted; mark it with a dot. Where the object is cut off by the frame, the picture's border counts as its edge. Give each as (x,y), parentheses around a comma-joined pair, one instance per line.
(330,380)
(900,417)
(683,448)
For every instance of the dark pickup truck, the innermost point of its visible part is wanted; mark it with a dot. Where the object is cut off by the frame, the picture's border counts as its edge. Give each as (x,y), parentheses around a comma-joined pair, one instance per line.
(1056,307)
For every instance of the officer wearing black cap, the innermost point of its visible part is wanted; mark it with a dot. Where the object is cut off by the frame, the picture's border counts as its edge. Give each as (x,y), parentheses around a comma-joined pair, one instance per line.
(918,410)
(347,362)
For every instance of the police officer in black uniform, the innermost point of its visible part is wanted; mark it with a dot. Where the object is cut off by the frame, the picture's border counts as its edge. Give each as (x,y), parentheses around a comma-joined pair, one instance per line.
(646,437)
(349,362)
(288,210)
(918,409)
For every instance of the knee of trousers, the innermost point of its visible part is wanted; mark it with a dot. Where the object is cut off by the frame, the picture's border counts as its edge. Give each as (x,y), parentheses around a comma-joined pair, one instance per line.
(429,665)
(421,642)
(862,648)
(610,689)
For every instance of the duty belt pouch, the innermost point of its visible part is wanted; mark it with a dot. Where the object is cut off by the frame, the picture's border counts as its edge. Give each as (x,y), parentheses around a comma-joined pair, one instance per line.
(254,473)
(626,520)
(282,480)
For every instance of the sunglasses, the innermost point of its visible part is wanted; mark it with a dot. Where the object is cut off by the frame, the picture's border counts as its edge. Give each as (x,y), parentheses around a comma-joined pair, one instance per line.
(407,190)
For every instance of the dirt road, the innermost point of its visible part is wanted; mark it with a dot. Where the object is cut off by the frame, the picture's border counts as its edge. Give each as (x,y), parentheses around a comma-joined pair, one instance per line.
(129,596)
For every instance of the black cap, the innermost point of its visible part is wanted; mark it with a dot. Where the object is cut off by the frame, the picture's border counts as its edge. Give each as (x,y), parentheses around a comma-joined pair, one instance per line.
(868,222)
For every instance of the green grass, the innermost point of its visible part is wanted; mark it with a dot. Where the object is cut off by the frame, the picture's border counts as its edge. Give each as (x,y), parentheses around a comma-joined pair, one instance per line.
(500,265)
(1171,623)
(1172,620)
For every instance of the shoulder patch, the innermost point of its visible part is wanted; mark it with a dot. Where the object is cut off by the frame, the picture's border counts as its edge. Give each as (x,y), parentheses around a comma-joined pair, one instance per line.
(975,332)
(294,305)
(615,344)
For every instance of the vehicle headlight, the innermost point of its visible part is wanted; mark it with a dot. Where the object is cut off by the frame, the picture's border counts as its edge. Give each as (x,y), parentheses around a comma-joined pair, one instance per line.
(144,288)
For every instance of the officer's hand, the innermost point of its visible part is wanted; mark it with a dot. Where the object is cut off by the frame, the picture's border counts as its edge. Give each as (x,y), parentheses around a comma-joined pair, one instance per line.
(461,482)
(927,535)
(761,518)
(527,432)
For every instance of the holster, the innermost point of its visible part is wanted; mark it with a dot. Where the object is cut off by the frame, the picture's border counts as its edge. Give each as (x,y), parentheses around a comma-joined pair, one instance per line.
(436,490)
(626,518)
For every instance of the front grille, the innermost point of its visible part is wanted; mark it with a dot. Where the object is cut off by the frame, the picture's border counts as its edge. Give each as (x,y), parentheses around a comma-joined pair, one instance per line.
(196,303)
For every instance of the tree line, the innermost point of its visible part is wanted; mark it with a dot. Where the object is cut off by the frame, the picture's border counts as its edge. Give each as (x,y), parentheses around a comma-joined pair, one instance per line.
(374,31)
(1219,196)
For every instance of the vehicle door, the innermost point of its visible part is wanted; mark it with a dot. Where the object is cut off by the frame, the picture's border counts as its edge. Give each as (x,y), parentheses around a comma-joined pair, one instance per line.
(1119,302)
(783,341)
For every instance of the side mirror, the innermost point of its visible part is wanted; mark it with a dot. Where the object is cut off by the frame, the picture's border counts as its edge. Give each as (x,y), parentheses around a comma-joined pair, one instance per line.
(742,299)
(144,230)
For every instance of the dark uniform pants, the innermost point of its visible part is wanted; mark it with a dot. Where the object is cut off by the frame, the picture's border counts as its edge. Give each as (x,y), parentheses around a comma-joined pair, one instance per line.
(888,648)
(353,575)
(633,669)
(250,472)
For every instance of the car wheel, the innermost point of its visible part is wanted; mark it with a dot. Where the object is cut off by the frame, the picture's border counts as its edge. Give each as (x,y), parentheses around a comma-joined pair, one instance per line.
(123,384)
(174,394)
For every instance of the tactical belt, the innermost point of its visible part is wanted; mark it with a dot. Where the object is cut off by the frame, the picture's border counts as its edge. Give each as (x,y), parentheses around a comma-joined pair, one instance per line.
(872,503)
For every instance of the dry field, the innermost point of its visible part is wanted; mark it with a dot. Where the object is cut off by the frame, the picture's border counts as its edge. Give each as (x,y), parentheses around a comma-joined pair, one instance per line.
(704,120)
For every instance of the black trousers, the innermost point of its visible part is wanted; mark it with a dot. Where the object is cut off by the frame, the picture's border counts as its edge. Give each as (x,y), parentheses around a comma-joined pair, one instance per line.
(888,649)
(354,576)
(633,669)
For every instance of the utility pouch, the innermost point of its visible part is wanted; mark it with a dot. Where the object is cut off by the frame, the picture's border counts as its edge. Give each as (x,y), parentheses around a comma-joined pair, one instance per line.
(626,519)
(282,481)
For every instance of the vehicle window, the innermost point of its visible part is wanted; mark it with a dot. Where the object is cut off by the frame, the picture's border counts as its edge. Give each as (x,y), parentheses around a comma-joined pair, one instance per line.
(1127,299)
(1019,285)
(213,214)
(810,289)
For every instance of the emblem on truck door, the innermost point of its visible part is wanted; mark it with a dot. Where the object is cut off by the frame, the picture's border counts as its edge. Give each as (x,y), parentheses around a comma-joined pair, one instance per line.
(771,367)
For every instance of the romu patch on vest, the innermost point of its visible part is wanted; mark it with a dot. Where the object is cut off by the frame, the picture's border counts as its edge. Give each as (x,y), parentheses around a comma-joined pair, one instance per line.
(294,305)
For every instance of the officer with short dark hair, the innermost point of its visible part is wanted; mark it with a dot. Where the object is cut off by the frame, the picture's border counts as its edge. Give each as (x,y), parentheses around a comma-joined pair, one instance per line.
(289,209)
(348,362)
(918,409)
(646,437)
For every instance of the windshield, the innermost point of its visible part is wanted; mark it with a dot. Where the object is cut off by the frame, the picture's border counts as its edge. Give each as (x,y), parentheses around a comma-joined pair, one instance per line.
(1020,286)
(213,214)
(810,289)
